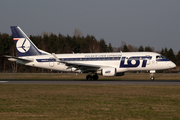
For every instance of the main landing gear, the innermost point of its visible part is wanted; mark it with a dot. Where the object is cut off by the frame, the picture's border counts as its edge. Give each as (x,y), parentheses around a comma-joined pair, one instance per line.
(90,77)
(152,72)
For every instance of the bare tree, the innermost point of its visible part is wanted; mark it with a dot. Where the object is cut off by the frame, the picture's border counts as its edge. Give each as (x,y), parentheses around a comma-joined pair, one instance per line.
(77,32)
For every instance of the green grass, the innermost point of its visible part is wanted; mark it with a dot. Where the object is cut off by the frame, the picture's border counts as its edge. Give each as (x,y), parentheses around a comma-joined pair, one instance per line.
(74,76)
(127,102)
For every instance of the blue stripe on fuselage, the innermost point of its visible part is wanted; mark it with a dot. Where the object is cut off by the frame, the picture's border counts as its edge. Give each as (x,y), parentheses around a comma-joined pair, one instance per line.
(79,59)
(162,60)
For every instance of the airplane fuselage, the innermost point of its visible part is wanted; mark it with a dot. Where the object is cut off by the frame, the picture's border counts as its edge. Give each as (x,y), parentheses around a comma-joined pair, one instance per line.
(126,61)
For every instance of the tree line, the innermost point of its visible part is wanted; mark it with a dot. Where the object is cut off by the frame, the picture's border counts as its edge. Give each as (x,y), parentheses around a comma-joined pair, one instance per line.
(53,43)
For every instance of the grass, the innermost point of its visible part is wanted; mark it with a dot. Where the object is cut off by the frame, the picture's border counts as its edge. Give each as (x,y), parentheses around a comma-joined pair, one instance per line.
(89,102)
(66,76)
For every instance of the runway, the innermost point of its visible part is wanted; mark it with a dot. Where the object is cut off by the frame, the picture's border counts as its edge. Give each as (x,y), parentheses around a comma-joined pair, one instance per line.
(99,82)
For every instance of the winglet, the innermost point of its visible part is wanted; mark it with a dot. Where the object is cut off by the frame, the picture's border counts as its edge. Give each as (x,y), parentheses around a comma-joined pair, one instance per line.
(56,58)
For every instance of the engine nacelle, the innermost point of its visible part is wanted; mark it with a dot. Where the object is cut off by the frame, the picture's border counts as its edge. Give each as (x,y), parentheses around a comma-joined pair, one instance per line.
(109,71)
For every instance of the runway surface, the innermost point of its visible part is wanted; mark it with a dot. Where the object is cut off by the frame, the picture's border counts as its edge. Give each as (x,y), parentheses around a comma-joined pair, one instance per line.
(100,82)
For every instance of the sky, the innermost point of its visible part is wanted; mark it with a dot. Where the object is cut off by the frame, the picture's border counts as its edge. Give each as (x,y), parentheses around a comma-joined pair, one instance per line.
(154,23)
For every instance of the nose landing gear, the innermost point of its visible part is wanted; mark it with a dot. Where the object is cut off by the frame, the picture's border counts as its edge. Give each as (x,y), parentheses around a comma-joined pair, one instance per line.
(152,78)
(152,72)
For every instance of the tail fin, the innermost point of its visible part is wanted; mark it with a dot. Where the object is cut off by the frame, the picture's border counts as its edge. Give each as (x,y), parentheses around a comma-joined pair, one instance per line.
(24,46)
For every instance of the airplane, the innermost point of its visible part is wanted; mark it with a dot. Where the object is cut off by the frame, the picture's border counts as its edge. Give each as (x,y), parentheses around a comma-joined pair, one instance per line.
(106,64)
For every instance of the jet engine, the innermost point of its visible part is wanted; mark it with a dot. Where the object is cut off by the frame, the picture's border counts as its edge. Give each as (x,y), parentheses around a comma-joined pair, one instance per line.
(110,71)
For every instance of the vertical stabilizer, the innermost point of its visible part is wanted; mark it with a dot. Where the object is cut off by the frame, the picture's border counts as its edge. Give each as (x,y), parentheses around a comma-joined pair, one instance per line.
(24,46)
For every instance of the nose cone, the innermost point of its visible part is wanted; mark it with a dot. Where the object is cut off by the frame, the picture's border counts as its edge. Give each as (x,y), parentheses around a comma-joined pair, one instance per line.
(171,65)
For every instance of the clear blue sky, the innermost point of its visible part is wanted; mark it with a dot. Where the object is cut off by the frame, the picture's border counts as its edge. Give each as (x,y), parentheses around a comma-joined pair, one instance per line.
(154,23)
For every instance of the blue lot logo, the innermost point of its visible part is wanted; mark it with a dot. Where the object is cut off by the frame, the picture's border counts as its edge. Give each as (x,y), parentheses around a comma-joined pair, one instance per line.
(132,62)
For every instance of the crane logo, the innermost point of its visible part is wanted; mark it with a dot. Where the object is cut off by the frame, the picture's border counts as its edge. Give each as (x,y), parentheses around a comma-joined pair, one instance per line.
(23,45)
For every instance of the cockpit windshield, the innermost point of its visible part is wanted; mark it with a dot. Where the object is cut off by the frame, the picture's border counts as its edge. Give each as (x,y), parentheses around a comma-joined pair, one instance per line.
(160,57)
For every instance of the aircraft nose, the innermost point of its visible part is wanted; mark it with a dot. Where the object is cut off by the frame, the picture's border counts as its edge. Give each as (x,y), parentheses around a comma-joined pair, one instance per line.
(171,65)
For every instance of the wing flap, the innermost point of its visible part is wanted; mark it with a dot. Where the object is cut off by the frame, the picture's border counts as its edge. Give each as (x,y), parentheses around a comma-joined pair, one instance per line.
(81,65)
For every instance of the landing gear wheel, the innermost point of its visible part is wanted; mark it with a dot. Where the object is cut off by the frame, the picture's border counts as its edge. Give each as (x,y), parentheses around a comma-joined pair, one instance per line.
(152,78)
(95,77)
(88,77)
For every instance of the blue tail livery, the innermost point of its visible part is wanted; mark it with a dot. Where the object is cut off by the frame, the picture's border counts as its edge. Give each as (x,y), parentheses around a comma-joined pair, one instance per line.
(24,46)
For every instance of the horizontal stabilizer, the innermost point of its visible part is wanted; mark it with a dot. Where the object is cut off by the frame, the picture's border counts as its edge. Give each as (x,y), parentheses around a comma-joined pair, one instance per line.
(11,58)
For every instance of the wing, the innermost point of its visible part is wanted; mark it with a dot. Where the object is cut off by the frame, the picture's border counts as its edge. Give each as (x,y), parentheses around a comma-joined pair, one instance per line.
(78,66)
(82,67)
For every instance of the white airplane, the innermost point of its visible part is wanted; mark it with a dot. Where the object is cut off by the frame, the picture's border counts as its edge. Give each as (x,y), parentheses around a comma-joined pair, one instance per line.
(106,64)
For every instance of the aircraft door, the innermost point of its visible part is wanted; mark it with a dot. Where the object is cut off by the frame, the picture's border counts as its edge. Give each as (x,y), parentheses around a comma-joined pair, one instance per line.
(148,59)
(51,62)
